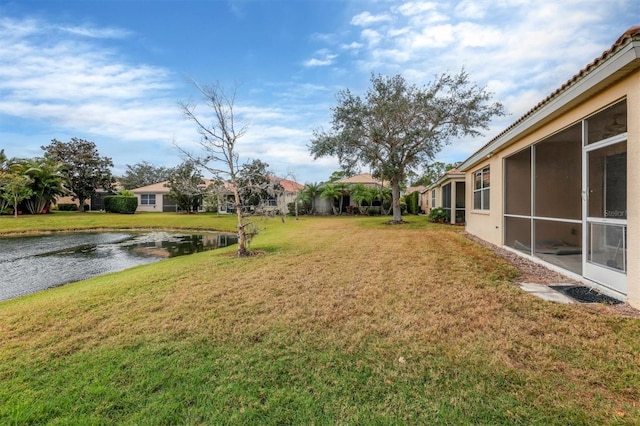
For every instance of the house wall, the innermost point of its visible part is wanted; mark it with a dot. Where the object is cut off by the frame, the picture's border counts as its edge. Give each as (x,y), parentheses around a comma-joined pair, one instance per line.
(322,206)
(488,225)
(284,200)
(633,188)
(147,208)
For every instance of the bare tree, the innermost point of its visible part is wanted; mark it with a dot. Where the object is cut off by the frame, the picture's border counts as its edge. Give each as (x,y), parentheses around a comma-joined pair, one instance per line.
(218,141)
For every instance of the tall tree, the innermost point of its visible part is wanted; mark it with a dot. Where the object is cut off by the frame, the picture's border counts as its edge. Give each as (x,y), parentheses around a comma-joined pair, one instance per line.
(219,138)
(397,127)
(186,186)
(86,169)
(143,174)
(434,171)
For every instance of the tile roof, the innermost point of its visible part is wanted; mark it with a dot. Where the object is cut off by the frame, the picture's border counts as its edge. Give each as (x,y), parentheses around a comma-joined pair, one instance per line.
(630,34)
(365,178)
(156,187)
(290,186)
(410,189)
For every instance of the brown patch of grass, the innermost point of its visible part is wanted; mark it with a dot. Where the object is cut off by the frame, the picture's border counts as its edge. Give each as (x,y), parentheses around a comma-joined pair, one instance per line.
(413,293)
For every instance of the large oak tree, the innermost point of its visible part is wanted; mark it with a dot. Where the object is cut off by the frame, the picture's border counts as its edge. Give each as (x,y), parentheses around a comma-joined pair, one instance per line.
(86,169)
(397,127)
(143,174)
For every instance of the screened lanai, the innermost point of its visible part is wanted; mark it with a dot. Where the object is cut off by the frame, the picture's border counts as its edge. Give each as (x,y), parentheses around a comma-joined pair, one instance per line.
(565,197)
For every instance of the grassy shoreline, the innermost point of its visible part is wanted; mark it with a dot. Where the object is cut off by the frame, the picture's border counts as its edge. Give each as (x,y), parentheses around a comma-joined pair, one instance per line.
(340,320)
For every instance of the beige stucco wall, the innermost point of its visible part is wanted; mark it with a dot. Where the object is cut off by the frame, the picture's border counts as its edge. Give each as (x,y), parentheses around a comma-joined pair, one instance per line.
(633,190)
(488,224)
(146,208)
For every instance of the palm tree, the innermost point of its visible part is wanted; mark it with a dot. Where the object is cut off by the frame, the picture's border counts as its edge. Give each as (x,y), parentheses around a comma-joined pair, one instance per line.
(15,188)
(47,181)
(342,189)
(329,190)
(384,195)
(360,194)
(309,194)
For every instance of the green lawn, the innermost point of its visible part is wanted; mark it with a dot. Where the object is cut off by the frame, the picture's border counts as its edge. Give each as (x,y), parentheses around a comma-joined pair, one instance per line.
(337,321)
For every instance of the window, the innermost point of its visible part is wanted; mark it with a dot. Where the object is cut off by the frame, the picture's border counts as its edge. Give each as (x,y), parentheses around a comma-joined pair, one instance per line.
(481,189)
(433,198)
(147,199)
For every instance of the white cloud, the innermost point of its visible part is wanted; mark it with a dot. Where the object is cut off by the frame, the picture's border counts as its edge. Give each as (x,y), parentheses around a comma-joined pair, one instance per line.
(354,45)
(415,8)
(432,37)
(471,9)
(315,62)
(372,37)
(323,58)
(93,32)
(365,19)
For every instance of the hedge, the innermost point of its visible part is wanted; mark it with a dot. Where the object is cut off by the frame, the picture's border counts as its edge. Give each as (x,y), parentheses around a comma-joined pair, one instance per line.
(67,207)
(413,202)
(120,204)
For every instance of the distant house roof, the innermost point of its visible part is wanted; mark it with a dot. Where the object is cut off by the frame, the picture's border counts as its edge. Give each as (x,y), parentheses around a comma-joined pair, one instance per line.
(451,174)
(410,189)
(290,186)
(364,178)
(162,187)
(624,54)
(156,188)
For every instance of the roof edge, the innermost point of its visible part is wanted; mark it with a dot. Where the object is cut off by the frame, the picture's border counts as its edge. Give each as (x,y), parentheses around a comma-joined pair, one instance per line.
(626,49)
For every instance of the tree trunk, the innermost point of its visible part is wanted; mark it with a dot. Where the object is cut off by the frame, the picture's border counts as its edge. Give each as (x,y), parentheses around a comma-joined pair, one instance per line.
(242,232)
(395,196)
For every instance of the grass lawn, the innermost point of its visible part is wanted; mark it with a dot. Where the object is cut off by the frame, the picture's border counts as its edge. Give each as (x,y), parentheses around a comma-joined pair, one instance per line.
(338,321)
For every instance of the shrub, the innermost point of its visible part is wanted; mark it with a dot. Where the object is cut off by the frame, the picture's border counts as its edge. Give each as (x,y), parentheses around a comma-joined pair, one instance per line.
(438,215)
(120,204)
(373,211)
(412,200)
(67,207)
(291,207)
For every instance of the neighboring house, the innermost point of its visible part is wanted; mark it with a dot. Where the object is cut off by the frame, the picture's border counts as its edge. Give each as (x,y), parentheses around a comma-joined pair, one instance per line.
(155,198)
(291,191)
(325,205)
(562,184)
(364,178)
(449,193)
(95,203)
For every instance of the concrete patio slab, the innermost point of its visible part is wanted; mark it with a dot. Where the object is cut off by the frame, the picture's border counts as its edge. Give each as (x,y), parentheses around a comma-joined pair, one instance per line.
(545,292)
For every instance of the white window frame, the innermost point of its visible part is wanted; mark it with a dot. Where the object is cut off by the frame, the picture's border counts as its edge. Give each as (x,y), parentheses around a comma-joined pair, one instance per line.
(148,198)
(485,191)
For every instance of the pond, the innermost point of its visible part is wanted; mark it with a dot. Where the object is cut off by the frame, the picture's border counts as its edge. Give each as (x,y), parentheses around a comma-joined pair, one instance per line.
(33,263)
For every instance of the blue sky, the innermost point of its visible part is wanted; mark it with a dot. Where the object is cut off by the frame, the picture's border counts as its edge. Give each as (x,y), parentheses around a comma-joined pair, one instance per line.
(113,71)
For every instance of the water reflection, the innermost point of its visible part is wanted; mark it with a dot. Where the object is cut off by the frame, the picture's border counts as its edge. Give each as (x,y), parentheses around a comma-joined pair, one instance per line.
(30,264)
